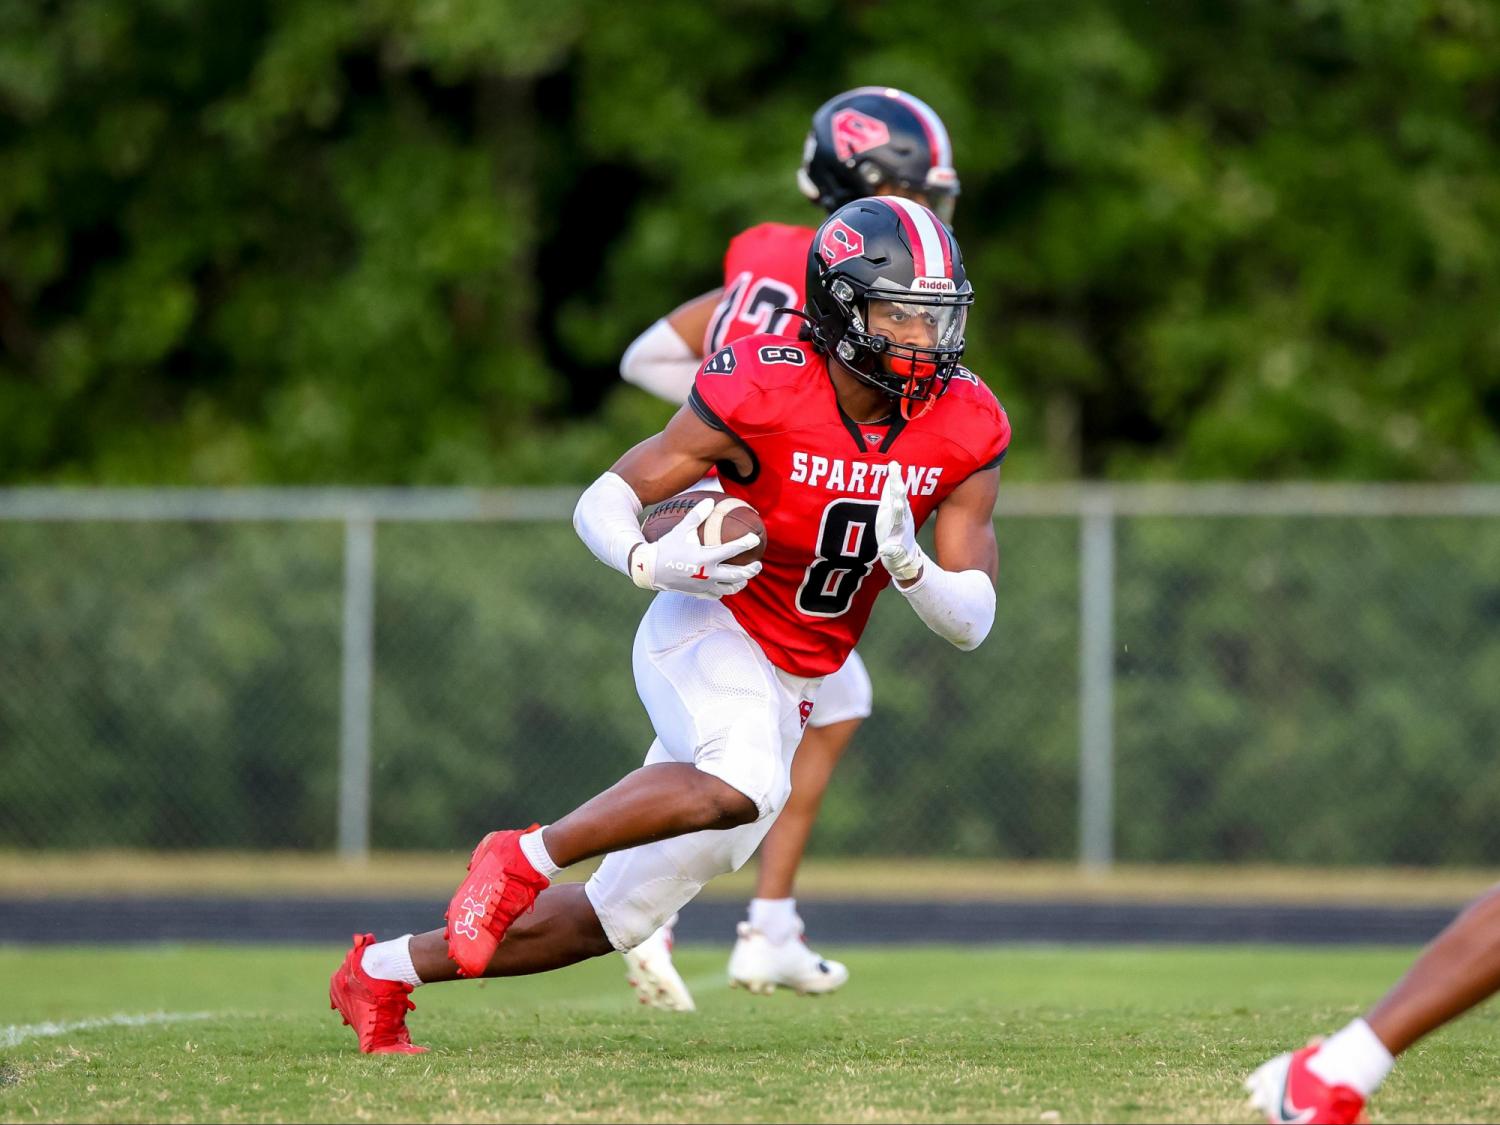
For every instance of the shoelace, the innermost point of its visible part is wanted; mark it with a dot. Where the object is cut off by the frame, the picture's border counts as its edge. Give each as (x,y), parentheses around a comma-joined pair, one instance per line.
(506,898)
(387,1021)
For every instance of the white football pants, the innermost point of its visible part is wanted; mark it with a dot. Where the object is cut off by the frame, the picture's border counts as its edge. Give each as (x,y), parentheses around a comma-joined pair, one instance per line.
(717,703)
(845,694)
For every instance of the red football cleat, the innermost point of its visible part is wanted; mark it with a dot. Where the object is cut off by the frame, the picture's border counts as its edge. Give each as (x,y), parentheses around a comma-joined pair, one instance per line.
(1286,1091)
(375,1009)
(500,887)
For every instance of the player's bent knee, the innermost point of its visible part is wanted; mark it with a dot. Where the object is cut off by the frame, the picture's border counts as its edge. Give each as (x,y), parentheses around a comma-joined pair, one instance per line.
(589,936)
(748,764)
(596,943)
(634,916)
(726,806)
(633,892)
(741,800)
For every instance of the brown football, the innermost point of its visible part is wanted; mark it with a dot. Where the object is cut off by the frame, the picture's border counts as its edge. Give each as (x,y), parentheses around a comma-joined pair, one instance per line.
(729,520)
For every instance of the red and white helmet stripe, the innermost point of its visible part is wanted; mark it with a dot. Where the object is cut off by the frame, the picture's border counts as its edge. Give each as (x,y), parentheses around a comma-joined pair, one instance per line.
(931,248)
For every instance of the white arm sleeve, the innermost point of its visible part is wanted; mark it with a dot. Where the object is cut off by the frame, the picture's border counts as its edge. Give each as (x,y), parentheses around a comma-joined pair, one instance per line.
(660,361)
(958,606)
(608,520)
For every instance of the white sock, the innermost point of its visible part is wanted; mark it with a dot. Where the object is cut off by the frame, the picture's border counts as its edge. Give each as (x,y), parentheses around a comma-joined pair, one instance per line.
(1353,1057)
(536,851)
(776,918)
(391,960)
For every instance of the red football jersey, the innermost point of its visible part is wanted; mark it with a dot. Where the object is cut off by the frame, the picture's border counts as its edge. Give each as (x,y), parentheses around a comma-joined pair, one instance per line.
(765,269)
(816,483)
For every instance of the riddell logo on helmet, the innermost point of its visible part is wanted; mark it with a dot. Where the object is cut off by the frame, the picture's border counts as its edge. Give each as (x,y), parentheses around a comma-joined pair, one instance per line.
(840,243)
(855,132)
(933,285)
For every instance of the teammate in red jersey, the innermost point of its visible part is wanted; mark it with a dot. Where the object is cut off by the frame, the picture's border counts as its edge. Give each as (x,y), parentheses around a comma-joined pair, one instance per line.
(873,140)
(846,444)
(1328,1082)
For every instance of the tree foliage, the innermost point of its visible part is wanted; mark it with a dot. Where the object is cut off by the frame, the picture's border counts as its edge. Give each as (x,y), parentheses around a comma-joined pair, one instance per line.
(400,241)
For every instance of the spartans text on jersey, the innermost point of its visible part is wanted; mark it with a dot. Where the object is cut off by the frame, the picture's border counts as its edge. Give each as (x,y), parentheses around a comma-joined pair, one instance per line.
(837,475)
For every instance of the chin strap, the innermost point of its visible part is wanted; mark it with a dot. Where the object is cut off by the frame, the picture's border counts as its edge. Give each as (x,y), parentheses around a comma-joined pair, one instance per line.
(906,411)
(914,373)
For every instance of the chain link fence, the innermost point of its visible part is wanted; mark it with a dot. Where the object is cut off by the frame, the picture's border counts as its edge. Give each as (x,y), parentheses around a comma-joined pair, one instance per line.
(1286,675)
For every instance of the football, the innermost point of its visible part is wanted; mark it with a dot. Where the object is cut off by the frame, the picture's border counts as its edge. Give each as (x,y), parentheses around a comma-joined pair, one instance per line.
(729,520)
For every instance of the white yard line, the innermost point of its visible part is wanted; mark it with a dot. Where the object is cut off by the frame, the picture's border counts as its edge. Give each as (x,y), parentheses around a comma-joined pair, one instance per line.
(16,1034)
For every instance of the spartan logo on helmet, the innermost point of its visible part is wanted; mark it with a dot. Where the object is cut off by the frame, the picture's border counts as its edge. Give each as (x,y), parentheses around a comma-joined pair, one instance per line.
(855,132)
(839,243)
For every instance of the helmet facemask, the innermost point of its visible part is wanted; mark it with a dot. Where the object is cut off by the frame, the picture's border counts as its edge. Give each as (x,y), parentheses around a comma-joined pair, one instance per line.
(903,343)
(940,192)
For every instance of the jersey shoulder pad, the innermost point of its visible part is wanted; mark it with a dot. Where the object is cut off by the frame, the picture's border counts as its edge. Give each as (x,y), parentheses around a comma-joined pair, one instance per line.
(976,419)
(767,248)
(744,386)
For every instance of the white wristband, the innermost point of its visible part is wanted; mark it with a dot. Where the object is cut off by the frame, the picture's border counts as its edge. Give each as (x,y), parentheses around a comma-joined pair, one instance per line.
(608,520)
(957,606)
(640,564)
(906,564)
(662,362)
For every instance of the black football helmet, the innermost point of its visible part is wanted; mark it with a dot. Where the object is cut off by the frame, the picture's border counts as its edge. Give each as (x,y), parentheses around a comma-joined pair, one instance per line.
(877,135)
(887,295)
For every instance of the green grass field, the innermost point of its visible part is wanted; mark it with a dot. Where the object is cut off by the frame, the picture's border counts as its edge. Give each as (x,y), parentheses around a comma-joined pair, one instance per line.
(920,1034)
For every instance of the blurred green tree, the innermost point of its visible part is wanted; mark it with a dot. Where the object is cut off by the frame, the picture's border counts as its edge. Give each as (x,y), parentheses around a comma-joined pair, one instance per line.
(287,241)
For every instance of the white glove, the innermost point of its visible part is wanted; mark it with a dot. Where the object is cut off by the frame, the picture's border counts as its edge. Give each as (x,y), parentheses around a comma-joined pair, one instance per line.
(896,528)
(678,561)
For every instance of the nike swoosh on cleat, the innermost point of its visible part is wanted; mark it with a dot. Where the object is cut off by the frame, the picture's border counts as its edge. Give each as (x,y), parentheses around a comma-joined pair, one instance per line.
(1289,1111)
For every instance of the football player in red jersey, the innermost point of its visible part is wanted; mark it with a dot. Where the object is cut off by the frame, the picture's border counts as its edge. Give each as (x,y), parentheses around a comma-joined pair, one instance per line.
(873,140)
(846,444)
(1328,1082)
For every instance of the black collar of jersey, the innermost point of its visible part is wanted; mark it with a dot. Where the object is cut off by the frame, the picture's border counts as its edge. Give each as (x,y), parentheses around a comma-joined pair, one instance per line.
(897,424)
